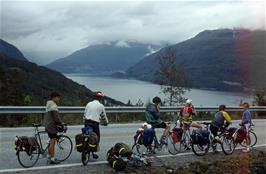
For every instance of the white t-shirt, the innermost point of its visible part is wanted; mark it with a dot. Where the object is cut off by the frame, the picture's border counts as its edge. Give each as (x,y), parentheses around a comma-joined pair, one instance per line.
(95,111)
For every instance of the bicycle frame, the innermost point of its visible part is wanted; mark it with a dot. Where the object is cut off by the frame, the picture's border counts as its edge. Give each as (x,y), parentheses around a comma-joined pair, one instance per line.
(37,135)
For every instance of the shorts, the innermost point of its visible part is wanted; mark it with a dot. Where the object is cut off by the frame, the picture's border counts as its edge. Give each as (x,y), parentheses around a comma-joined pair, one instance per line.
(95,127)
(214,130)
(161,125)
(52,136)
(246,127)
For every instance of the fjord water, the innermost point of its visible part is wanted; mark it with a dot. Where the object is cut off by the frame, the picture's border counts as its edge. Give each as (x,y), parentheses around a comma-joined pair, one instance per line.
(133,90)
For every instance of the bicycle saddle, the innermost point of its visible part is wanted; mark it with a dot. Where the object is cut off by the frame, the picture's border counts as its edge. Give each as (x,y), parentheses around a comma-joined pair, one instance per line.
(36,125)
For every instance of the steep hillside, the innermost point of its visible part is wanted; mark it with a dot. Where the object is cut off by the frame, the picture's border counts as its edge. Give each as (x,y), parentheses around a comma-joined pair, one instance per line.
(10,51)
(214,59)
(103,59)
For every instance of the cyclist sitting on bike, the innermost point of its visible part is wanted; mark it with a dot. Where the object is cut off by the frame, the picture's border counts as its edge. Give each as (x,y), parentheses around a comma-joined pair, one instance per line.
(221,120)
(94,115)
(152,115)
(246,122)
(186,113)
(52,121)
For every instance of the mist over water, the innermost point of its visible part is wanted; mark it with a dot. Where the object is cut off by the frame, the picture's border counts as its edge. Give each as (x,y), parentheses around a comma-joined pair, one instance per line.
(133,90)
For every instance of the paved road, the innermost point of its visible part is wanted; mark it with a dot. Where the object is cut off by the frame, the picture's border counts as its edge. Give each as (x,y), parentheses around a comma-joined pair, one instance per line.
(110,135)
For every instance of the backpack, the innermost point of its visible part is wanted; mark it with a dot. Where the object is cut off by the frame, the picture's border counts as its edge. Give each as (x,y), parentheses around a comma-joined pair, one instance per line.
(123,150)
(148,136)
(200,137)
(91,143)
(115,161)
(24,143)
(177,134)
(241,135)
(79,139)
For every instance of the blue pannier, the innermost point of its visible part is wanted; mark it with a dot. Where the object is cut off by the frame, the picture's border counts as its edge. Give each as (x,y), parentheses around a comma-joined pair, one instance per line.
(148,136)
(87,130)
(200,137)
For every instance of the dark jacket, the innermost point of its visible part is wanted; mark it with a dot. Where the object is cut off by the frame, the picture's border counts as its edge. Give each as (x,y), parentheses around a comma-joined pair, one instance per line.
(51,119)
(152,114)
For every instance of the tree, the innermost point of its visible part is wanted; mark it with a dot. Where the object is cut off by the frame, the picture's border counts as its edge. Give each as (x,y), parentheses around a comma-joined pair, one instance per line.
(172,77)
(260,99)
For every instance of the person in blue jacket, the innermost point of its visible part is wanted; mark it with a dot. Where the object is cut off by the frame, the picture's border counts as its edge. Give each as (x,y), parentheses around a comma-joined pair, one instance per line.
(246,122)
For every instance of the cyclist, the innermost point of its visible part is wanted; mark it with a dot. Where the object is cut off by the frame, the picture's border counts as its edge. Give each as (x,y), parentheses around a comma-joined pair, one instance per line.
(94,115)
(221,120)
(186,113)
(152,115)
(52,121)
(246,122)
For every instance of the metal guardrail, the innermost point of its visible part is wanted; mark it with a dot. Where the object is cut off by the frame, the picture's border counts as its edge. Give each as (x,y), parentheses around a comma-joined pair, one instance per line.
(80,110)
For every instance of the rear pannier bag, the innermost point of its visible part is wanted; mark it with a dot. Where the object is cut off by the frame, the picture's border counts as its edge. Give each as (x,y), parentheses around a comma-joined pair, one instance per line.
(123,150)
(241,135)
(177,134)
(24,143)
(115,161)
(231,131)
(148,136)
(200,137)
(92,142)
(79,139)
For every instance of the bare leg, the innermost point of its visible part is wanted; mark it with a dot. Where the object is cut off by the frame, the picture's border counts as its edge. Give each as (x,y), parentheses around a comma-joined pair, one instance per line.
(166,130)
(51,147)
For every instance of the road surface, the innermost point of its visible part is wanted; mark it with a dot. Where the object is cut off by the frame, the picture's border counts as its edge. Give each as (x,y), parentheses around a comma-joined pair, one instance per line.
(109,136)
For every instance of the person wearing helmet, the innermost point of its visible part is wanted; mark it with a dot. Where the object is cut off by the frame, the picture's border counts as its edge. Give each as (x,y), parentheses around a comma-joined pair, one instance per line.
(186,115)
(94,115)
(152,115)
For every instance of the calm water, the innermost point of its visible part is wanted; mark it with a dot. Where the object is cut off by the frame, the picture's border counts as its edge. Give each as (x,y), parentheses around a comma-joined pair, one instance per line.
(125,89)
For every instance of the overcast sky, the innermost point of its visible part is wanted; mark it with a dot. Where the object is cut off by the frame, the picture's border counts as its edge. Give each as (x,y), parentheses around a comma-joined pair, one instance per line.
(48,30)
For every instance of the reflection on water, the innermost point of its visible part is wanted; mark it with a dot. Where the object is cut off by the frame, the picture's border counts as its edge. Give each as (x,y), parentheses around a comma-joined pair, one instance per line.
(133,90)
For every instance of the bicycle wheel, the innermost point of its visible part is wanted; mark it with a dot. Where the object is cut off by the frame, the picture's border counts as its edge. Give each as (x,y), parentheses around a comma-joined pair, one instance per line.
(253,140)
(85,157)
(228,145)
(185,143)
(28,159)
(139,149)
(200,150)
(173,146)
(63,148)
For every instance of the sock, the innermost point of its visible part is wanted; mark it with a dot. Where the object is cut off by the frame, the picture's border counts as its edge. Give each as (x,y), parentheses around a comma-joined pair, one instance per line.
(52,159)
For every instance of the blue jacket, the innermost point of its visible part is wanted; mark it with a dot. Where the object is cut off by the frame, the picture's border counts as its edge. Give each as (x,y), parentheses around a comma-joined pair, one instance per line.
(246,117)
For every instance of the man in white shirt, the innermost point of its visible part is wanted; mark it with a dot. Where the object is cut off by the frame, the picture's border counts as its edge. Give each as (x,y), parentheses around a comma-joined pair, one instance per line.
(94,115)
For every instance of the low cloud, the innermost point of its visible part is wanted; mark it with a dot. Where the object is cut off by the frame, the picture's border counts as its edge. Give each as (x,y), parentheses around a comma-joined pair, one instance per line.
(50,28)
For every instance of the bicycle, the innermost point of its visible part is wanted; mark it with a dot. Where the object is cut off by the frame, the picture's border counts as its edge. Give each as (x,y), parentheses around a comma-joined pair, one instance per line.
(156,145)
(227,142)
(88,149)
(185,142)
(63,148)
(252,135)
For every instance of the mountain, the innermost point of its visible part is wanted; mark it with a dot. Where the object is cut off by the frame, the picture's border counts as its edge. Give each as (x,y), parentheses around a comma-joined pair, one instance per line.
(26,83)
(103,59)
(10,51)
(214,59)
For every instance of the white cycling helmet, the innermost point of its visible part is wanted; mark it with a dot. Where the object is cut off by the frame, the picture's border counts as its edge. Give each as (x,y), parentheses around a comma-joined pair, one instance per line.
(189,101)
